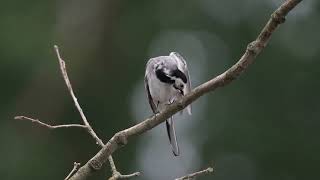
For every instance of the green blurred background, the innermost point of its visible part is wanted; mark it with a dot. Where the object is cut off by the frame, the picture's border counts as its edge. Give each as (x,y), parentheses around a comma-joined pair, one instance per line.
(265,125)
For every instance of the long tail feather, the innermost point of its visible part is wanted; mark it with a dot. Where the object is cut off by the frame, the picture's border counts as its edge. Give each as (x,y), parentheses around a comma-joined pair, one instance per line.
(172,136)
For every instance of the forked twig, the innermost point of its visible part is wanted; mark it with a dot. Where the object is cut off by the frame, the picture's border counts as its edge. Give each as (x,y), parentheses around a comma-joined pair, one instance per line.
(196,174)
(115,173)
(74,169)
(116,176)
(37,121)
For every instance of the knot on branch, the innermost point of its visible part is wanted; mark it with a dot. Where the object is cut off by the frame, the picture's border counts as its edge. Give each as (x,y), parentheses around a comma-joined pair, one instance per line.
(228,77)
(254,47)
(279,19)
(115,176)
(96,165)
(121,138)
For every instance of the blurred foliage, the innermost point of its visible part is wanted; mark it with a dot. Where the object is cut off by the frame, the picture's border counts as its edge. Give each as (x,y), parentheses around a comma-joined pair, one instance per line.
(265,125)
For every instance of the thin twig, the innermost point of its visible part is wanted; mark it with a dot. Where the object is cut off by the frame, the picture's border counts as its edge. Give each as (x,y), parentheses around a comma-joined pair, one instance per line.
(84,119)
(74,98)
(36,121)
(196,174)
(120,176)
(253,49)
(74,169)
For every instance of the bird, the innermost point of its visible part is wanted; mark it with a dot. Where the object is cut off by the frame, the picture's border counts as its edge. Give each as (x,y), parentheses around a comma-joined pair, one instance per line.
(166,80)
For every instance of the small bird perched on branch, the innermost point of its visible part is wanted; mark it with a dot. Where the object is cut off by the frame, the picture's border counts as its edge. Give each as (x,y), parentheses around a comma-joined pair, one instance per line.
(167,79)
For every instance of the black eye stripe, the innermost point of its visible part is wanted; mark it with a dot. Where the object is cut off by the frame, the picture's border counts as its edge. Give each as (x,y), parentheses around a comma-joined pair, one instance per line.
(163,77)
(177,73)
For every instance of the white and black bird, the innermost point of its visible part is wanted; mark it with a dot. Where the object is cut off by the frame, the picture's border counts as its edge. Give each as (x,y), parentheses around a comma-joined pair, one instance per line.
(167,79)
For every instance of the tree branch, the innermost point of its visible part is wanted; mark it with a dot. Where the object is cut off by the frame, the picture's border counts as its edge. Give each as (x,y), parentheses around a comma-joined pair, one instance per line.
(196,174)
(36,121)
(74,98)
(115,173)
(253,49)
(74,169)
(120,176)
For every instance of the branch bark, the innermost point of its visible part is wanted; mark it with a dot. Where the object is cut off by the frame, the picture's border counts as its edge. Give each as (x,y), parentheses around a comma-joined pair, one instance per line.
(253,49)
(196,174)
(74,169)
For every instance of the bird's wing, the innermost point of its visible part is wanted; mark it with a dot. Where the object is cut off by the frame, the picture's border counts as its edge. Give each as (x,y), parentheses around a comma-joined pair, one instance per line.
(146,86)
(150,100)
(182,65)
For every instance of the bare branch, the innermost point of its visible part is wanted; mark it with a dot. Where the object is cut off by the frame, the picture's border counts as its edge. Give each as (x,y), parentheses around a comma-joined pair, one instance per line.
(196,174)
(116,176)
(74,98)
(74,169)
(254,48)
(84,119)
(36,121)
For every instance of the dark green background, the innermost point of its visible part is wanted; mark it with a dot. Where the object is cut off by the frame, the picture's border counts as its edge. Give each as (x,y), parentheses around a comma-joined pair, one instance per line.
(265,125)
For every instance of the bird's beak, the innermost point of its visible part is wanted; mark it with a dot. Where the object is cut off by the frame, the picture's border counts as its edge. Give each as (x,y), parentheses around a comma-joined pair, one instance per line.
(180,90)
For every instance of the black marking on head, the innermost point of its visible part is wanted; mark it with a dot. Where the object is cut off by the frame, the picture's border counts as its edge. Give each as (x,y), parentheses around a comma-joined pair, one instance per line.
(179,74)
(163,77)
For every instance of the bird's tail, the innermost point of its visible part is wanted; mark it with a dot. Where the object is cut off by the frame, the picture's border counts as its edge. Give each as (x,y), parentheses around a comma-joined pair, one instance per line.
(172,136)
